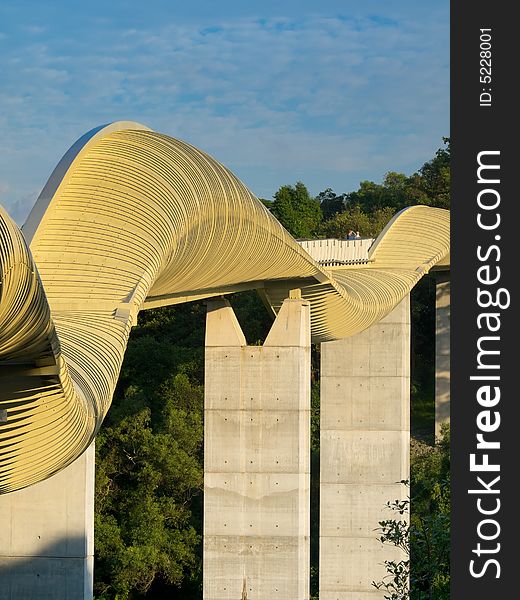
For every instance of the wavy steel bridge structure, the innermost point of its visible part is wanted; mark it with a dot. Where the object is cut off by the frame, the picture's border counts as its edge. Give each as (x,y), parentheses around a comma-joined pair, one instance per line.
(132,219)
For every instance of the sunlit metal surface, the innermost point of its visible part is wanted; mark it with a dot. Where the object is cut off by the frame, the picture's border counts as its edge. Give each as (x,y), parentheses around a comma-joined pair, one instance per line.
(132,219)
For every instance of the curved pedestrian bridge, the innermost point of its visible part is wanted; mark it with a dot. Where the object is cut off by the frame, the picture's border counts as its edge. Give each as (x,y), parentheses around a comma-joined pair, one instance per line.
(132,219)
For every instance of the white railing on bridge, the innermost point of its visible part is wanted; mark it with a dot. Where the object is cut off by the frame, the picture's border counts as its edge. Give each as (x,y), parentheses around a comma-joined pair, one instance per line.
(334,252)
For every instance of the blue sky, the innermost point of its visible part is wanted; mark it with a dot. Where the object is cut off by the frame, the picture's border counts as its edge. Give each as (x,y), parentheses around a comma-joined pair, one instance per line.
(326,92)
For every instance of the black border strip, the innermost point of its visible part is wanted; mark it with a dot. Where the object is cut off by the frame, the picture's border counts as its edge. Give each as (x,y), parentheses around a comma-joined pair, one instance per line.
(475,128)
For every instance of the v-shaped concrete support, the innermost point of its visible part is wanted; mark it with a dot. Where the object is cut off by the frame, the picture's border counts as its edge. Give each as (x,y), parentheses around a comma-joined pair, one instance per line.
(256,457)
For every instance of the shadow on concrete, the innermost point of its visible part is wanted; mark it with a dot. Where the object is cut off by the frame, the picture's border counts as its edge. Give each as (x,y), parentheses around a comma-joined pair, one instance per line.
(48,576)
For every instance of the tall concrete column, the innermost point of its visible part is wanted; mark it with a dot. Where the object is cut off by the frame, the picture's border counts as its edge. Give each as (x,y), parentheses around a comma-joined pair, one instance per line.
(256,457)
(47,537)
(364,452)
(442,351)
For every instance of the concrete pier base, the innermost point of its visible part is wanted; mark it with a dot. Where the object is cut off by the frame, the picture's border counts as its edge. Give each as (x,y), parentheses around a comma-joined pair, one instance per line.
(442,351)
(47,537)
(364,452)
(256,457)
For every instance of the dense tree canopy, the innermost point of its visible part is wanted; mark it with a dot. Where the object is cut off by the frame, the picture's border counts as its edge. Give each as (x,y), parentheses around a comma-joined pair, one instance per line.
(369,224)
(434,178)
(331,204)
(297,211)
(430,185)
(149,460)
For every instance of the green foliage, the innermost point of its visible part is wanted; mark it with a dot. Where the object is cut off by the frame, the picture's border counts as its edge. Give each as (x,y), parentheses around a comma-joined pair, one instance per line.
(423,358)
(145,478)
(430,519)
(424,573)
(331,204)
(430,185)
(149,460)
(396,532)
(267,203)
(369,224)
(394,192)
(296,210)
(435,178)
(254,317)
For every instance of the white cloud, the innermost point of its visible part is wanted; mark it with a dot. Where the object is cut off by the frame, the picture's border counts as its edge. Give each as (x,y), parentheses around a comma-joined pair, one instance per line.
(333,98)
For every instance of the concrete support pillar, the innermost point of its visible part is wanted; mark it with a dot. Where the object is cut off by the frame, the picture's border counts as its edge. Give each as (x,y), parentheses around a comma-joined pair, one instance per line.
(442,351)
(47,537)
(256,457)
(364,452)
